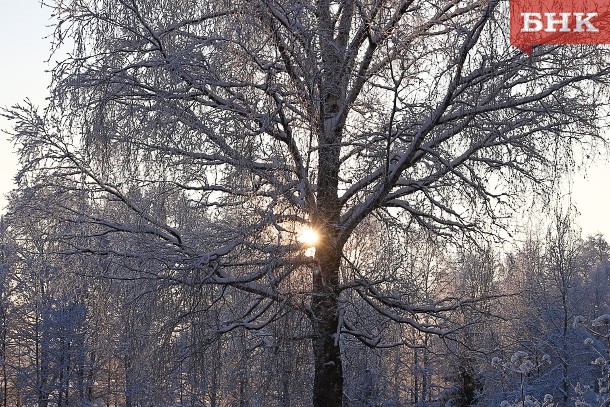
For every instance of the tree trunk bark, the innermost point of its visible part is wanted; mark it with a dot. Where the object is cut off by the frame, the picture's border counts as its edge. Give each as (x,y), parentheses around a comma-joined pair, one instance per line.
(328,377)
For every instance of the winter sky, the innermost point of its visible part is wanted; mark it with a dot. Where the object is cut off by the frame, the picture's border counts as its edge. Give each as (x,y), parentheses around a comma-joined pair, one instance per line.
(24,24)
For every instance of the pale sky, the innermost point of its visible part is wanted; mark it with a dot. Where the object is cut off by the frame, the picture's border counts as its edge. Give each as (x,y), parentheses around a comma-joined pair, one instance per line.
(23,49)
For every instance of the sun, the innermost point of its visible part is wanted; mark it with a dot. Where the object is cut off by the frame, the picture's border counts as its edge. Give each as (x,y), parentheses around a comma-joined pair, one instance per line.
(309,237)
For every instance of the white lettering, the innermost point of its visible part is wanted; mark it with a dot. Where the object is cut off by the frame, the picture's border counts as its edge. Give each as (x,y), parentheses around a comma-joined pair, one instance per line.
(580,22)
(530,24)
(551,22)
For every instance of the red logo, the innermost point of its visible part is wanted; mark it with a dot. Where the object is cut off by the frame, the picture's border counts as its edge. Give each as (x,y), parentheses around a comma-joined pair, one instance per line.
(559,22)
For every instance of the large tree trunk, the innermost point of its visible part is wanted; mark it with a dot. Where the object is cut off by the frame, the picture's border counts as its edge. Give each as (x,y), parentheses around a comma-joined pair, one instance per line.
(328,379)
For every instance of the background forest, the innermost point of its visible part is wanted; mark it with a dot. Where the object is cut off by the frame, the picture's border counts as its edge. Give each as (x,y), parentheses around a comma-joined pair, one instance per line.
(70,336)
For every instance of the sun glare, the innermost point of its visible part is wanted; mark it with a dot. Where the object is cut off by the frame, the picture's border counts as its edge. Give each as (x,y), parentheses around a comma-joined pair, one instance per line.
(309,237)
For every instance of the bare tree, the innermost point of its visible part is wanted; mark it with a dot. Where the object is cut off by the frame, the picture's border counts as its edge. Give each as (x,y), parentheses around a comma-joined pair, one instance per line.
(224,128)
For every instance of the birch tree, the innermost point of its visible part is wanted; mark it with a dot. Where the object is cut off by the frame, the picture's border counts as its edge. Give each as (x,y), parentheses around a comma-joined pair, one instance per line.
(225,128)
